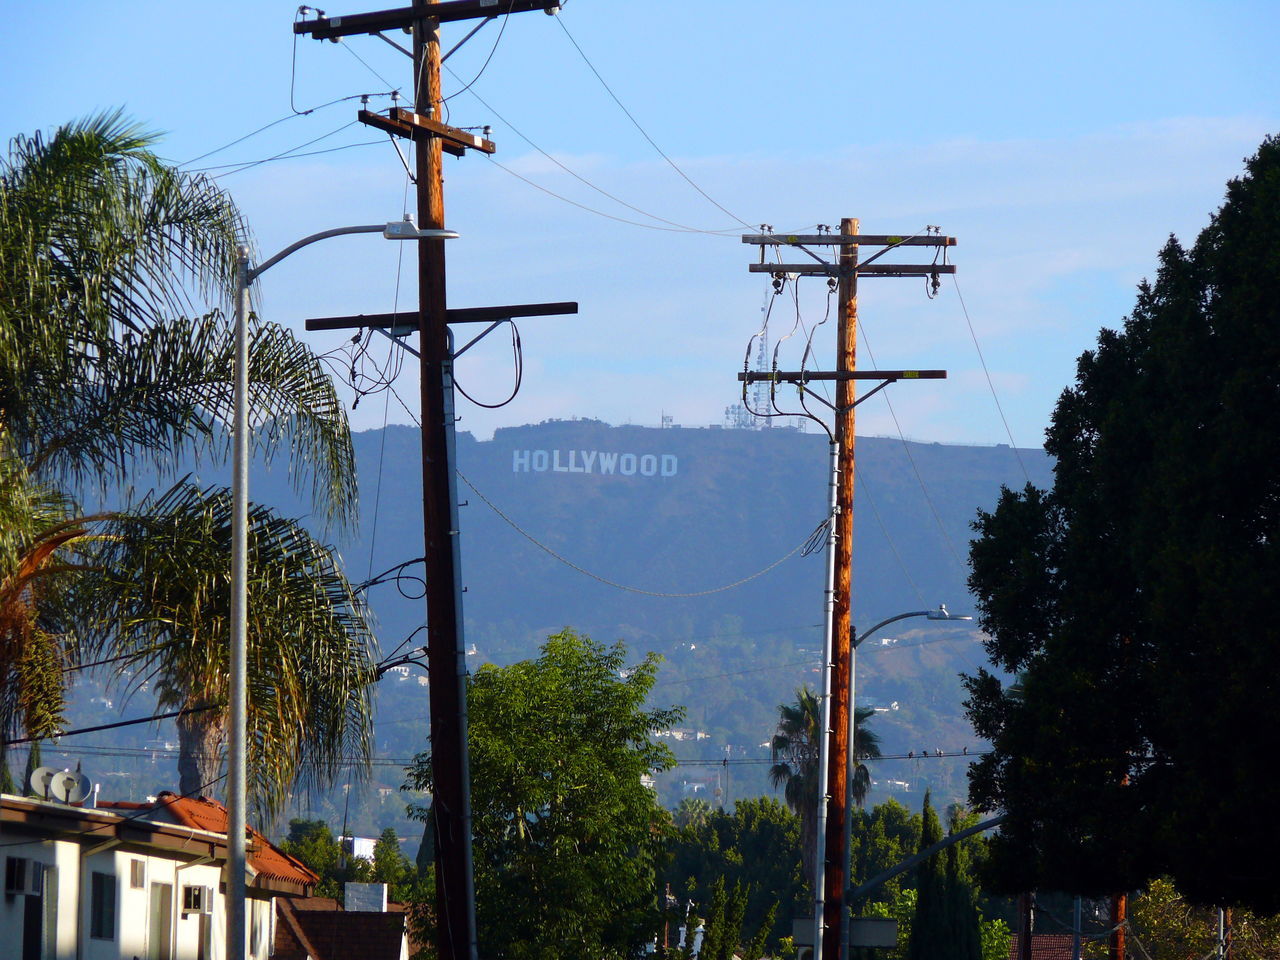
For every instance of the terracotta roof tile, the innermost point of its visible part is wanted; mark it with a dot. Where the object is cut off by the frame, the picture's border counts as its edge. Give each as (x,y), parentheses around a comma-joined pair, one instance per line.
(1044,946)
(202,813)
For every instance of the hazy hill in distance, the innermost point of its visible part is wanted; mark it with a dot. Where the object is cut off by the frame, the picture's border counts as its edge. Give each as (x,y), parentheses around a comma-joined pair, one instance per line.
(688,511)
(667,511)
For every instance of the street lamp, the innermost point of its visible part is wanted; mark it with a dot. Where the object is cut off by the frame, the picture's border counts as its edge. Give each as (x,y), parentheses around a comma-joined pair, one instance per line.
(236,780)
(941,613)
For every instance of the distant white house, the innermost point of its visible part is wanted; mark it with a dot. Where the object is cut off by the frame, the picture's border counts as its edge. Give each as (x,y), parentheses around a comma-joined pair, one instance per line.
(131,880)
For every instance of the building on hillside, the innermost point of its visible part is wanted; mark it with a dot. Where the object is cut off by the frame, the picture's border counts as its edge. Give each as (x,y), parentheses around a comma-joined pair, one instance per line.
(132,880)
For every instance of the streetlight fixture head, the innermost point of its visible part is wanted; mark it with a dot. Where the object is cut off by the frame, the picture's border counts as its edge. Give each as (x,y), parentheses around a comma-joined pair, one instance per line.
(406,229)
(942,614)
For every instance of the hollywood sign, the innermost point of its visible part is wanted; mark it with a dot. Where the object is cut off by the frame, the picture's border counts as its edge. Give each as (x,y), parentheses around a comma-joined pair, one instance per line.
(595,461)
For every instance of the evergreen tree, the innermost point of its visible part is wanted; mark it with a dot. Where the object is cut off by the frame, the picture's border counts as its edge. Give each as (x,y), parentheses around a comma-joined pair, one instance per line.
(1134,599)
(963,921)
(6,775)
(33,764)
(930,935)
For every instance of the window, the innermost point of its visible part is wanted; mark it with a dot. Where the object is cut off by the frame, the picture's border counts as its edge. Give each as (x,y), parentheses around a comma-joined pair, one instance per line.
(137,874)
(102,907)
(22,875)
(197,899)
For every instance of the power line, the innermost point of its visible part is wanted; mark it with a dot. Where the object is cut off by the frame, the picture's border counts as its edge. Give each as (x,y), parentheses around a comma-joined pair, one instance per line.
(268,126)
(581,179)
(990,385)
(119,723)
(245,165)
(613,583)
(643,132)
(937,518)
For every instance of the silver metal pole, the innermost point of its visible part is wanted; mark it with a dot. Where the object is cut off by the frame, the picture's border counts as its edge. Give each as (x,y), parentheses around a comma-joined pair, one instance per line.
(820,842)
(455,534)
(236,780)
(1075,930)
(851,766)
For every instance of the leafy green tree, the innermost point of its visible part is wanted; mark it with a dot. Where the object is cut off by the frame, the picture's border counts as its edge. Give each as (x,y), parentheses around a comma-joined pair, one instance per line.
(566,837)
(902,908)
(106,364)
(1168,926)
(1142,583)
(724,932)
(994,939)
(886,836)
(756,849)
(398,872)
(312,842)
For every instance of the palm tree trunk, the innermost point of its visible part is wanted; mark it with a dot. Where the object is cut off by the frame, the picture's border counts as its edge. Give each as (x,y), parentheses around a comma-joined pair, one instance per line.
(808,843)
(202,736)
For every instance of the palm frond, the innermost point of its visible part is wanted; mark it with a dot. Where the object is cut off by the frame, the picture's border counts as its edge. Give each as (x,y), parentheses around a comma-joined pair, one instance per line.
(165,605)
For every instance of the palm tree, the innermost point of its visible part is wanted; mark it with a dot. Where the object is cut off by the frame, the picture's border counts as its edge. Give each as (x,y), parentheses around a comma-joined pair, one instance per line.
(794,751)
(866,746)
(795,748)
(310,669)
(108,362)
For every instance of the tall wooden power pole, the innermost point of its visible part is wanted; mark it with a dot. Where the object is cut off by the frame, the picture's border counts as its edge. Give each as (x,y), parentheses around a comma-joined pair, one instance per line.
(838,742)
(836,750)
(446,659)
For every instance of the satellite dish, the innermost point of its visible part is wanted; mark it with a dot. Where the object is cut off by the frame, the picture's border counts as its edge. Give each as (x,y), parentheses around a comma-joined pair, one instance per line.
(69,786)
(40,779)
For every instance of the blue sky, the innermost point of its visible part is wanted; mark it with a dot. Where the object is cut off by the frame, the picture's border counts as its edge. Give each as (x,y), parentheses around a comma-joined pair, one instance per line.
(1061,145)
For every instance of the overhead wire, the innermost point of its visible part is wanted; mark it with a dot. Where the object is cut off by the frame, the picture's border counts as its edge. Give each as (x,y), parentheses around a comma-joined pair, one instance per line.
(291,153)
(990,384)
(613,583)
(588,209)
(860,476)
(727,232)
(906,447)
(636,123)
(492,50)
(268,126)
(517,355)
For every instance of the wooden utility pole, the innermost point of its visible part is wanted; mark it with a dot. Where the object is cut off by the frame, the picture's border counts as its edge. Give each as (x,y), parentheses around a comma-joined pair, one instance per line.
(446,663)
(1119,922)
(839,739)
(837,746)
(446,660)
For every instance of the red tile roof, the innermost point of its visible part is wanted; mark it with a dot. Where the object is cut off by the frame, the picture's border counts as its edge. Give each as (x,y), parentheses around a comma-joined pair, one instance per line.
(1044,946)
(268,862)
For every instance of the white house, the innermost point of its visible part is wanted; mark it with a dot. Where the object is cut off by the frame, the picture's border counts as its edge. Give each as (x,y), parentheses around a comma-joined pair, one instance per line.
(131,881)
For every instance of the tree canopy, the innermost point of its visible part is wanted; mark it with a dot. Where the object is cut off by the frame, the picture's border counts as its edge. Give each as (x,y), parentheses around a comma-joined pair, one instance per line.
(114,355)
(566,835)
(1132,601)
